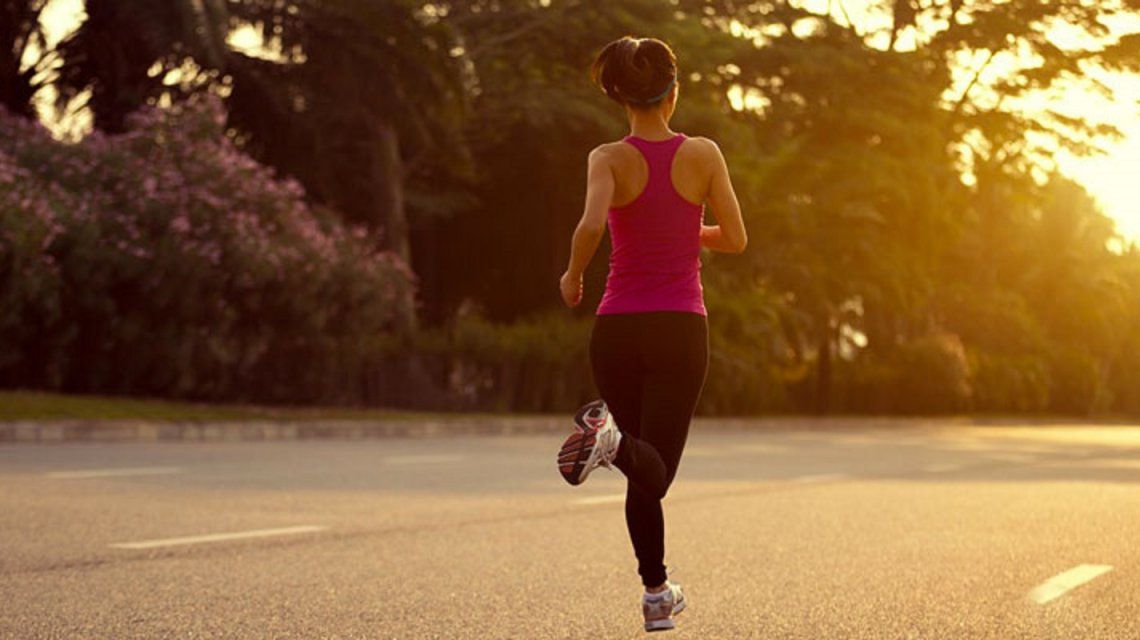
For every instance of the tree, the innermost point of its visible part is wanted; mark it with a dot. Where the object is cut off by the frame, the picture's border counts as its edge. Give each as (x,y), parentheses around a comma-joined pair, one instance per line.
(872,136)
(21,38)
(122,52)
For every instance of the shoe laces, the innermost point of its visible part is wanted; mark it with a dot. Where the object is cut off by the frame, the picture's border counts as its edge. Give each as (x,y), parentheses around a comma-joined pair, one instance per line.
(608,439)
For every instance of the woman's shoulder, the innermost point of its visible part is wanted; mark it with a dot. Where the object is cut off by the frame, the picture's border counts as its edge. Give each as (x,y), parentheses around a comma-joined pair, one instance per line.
(702,145)
(700,152)
(607,149)
(615,154)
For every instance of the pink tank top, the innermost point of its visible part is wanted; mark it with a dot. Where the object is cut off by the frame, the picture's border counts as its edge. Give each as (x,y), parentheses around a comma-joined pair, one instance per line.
(655,262)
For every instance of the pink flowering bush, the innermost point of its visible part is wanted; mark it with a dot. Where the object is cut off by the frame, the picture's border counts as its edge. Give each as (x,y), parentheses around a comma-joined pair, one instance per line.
(165,261)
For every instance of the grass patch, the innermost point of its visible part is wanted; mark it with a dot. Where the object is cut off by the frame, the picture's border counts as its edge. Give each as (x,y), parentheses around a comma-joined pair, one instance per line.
(38,405)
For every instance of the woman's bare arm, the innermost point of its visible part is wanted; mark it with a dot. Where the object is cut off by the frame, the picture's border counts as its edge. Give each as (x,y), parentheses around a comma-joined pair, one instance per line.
(728,235)
(588,234)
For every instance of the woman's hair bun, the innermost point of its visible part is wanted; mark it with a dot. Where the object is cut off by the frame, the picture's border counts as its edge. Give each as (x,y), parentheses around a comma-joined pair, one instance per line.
(635,71)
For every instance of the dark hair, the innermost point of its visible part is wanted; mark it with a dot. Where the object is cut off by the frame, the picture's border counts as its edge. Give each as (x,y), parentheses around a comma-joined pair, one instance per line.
(635,71)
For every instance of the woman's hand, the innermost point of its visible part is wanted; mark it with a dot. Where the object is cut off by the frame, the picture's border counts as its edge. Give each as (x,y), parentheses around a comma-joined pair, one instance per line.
(571,287)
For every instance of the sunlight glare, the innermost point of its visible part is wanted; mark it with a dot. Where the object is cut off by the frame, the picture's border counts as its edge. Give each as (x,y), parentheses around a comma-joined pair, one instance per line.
(1111,178)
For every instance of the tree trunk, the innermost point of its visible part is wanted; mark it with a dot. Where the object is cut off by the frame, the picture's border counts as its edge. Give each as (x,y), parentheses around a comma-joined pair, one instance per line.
(393,214)
(16,27)
(408,382)
(823,377)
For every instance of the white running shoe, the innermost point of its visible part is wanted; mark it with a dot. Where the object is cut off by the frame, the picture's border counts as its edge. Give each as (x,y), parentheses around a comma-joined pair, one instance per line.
(659,608)
(594,445)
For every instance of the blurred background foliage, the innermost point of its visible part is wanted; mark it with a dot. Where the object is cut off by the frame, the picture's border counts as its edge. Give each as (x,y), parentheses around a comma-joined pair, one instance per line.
(379,198)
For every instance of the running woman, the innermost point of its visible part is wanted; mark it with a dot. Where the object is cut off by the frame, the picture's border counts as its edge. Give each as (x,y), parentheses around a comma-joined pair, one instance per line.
(649,343)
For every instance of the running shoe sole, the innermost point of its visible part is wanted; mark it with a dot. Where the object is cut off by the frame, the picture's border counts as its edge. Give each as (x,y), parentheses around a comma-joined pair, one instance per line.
(577,456)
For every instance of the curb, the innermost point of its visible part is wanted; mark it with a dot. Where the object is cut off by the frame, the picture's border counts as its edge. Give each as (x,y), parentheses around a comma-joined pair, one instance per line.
(91,431)
(122,431)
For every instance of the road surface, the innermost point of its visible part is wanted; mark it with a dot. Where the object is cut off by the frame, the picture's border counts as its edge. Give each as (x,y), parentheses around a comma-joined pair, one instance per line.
(937,530)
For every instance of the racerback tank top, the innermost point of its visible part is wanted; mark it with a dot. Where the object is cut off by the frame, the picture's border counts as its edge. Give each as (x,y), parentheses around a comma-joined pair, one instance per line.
(656,242)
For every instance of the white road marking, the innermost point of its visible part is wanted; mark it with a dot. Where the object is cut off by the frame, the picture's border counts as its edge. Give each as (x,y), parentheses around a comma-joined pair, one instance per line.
(217,537)
(606,499)
(422,459)
(942,468)
(1062,583)
(112,473)
(819,477)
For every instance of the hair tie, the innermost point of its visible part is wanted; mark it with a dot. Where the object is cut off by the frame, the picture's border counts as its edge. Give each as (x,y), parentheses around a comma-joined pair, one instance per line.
(668,88)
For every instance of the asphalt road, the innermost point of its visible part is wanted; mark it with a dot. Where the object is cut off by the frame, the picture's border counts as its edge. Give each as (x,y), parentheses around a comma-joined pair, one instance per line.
(935,531)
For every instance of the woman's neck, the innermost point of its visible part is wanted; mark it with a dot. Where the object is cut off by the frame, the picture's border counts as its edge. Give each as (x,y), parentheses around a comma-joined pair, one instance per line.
(651,126)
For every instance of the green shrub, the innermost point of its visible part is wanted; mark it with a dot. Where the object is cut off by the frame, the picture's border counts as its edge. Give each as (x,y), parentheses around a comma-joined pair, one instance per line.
(540,363)
(929,374)
(935,376)
(1009,383)
(1123,376)
(749,351)
(1074,381)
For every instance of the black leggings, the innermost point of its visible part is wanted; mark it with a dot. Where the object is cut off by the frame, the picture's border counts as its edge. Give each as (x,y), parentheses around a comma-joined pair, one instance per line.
(650,369)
